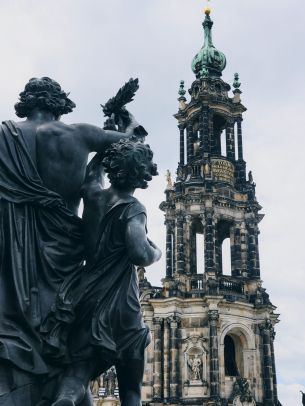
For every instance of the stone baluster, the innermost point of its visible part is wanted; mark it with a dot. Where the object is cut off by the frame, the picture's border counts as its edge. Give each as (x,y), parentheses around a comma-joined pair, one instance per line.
(157,387)
(214,356)
(267,363)
(174,359)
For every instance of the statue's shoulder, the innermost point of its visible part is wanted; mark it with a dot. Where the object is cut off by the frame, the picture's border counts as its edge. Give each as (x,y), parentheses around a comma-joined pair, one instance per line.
(134,209)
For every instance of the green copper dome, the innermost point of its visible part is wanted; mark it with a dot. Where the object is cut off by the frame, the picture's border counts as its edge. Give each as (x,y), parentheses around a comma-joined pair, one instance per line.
(208,61)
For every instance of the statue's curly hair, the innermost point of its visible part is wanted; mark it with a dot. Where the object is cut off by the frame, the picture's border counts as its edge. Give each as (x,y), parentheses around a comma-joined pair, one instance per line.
(44,94)
(129,164)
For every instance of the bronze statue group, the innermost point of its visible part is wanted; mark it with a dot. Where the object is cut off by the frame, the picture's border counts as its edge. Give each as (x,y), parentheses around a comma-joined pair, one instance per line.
(69,303)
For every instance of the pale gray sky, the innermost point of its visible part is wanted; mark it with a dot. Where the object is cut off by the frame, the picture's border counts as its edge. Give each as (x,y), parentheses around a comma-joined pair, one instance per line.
(93,46)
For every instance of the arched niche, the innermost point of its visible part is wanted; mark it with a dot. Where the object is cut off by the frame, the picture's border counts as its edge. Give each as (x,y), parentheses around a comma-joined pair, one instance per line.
(195,350)
(194,370)
(244,342)
(218,146)
(245,352)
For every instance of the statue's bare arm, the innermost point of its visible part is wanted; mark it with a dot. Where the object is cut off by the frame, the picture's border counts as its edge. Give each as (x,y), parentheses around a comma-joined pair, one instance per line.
(98,139)
(141,251)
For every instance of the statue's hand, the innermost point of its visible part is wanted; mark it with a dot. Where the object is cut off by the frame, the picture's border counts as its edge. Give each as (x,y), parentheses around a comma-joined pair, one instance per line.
(134,128)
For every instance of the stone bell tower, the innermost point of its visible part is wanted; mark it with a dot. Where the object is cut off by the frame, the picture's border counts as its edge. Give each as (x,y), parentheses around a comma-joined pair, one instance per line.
(213,329)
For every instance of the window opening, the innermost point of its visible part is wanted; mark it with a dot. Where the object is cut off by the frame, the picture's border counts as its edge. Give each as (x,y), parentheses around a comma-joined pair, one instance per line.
(231,368)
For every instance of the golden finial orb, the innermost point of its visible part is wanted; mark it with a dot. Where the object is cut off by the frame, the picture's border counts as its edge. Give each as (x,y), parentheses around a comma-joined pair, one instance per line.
(207,11)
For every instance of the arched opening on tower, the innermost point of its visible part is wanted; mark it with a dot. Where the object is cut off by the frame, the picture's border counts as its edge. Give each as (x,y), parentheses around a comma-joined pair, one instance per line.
(197,248)
(226,257)
(196,139)
(236,141)
(218,146)
(233,354)
(223,248)
(200,253)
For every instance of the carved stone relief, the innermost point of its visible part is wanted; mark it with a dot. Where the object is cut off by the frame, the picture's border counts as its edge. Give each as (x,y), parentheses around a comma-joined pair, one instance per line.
(195,367)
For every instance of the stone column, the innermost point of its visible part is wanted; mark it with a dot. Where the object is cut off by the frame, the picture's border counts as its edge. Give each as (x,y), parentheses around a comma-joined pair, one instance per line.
(181,129)
(258,267)
(214,141)
(157,387)
(204,131)
(236,252)
(214,356)
(209,242)
(218,255)
(190,143)
(193,250)
(169,249)
(174,359)
(239,139)
(166,359)
(180,244)
(272,337)
(230,141)
(243,248)
(174,247)
(253,259)
(188,254)
(267,363)
(240,165)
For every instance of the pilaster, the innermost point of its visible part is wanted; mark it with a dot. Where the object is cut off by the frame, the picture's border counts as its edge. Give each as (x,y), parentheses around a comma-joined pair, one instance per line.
(265,329)
(190,142)
(230,141)
(180,219)
(169,249)
(214,355)
(166,359)
(209,241)
(204,132)
(182,153)
(253,256)
(157,386)
(174,359)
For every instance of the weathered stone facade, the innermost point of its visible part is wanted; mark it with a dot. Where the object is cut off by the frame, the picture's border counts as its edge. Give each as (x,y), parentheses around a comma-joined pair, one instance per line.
(212,333)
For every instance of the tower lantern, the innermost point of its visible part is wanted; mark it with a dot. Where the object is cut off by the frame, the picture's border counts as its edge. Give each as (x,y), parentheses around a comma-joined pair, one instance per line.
(213,329)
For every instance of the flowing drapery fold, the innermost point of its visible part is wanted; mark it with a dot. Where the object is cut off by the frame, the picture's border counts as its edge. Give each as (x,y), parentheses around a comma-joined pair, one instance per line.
(40,246)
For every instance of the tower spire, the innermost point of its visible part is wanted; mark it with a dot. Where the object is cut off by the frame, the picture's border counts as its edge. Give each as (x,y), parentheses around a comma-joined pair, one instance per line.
(209,61)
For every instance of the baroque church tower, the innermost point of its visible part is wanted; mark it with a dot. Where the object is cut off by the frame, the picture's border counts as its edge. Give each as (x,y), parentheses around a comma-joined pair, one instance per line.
(212,330)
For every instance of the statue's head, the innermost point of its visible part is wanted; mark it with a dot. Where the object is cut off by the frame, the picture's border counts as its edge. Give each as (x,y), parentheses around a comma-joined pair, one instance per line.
(44,94)
(129,164)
